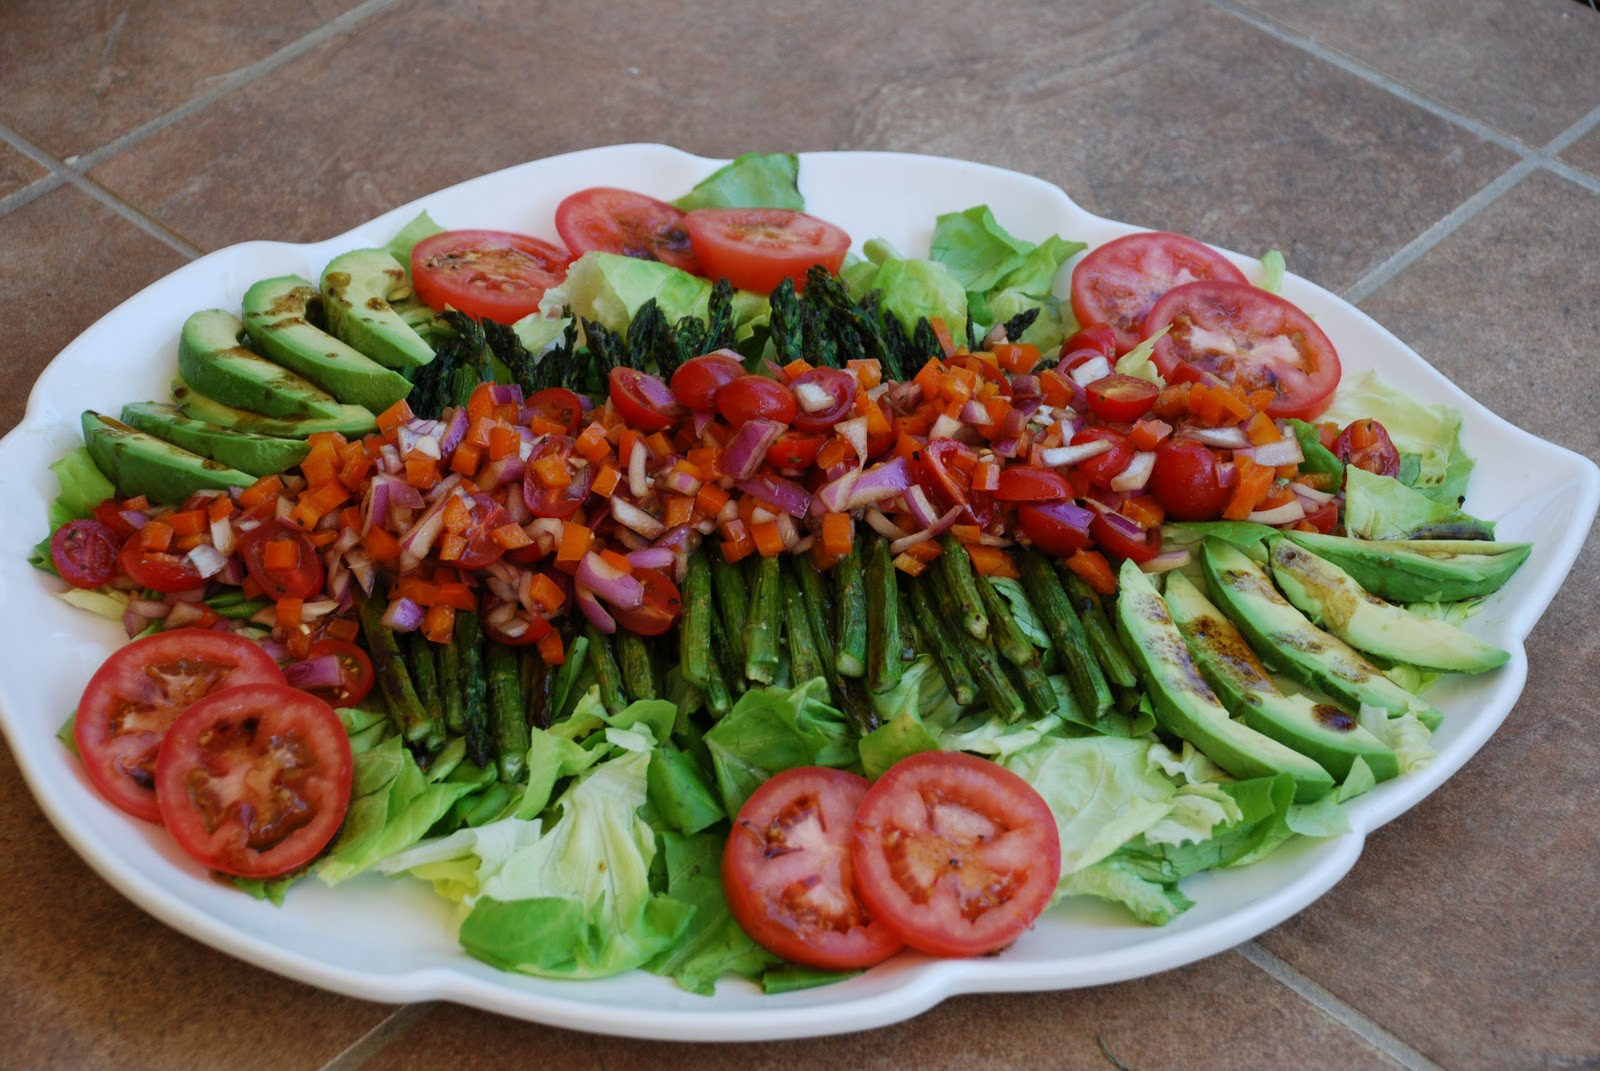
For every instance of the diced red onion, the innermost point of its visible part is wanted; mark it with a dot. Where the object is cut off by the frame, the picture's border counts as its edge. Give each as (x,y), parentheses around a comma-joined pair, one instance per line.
(1094,368)
(1287,513)
(206,560)
(883,525)
(1136,473)
(1311,494)
(1024,387)
(148,608)
(813,397)
(947,426)
(184,614)
(1167,561)
(937,528)
(222,536)
(1071,454)
(1230,437)
(454,431)
(634,518)
(1284,451)
(403,615)
(622,590)
(832,496)
(749,445)
(597,615)
(655,557)
(135,518)
(1007,447)
(784,495)
(501,471)
(700,420)
(878,483)
(973,412)
(788,531)
(679,482)
(919,506)
(505,394)
(323,671)
(1012,423)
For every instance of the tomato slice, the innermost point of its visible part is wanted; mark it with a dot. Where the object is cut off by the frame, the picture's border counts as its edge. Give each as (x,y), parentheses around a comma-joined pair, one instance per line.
(756,397)
(558,405)
(355,672)
(1366,445)
(758,248)
(1031,483)
(789,877)
(557,502)
(135,695)
(494,275)
(643,400)
(696,381)
(610,220)
(1251,338)
(823,397)
(1117,284)
(954,853)
(660,609)
(84,553)
(255,780)
(1187,481)
(300,581)
(1120,399)
(156,569)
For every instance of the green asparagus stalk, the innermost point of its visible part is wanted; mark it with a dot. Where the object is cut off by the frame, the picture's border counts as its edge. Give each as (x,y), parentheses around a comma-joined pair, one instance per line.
(732,597)
(694,629)
(942,643)
(850,628)
(607,673)
(954,568)
(420,662)
(468,640)
(1085,678)
(804,660)
(539,693)
(508,715)
(415,723)
(764,623)
(1003,628)
(448,664)
(638,674)
(1102,637)
(883,619)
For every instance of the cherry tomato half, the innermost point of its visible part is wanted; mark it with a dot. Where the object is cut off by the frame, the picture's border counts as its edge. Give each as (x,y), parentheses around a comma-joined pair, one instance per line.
(1187,481)
(1120,399)
(1250,338)
(137,693)
(660,609)
(1121,538)
(1117,284)
(255,780)
(758,248)
(355,672)
(794,450)
(300,579)
(696,381)
(788,874)
(1056,528)
(84,553)
(631,224)
(643,400)
(157,569)
(553,501)
(756,398)
(1098,339)
(954,853)
(1366,445)
(834,394)
(1031,483)
(1104,467)
(558,405)
(494,275)
(485,514)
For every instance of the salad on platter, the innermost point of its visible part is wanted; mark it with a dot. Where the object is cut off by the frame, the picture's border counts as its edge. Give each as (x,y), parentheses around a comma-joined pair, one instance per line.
(698,596)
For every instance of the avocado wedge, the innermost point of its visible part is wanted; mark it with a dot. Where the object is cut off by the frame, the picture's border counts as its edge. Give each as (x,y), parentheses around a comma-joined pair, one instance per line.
(1331,598)
(139,463)
(212,357)
(356,290)
(259,455)
(1285,639)
(1186,706)
(278,317)
(1420,570)
(352,419)
(1319,730)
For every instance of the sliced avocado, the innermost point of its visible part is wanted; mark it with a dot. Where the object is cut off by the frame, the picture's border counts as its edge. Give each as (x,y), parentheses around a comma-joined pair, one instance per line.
(1283,637)
(1186,706)
(141,464)
(1319,730)
(356,290)
(1420,570)
(212,356)
(277,316)
(259,455)
(352,419)
(1331,598)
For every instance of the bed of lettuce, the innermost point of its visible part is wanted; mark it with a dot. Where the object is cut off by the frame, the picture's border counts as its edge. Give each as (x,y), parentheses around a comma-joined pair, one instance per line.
(607,858)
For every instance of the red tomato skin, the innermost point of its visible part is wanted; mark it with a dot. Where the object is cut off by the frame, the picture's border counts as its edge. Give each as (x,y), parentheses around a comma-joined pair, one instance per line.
(1381,457)
(158,570)
(1325,518)
(643,400)
(1104,467)
(494,275)
(1030,483)
(899,838)
(356,681)
(1118,283)
(557,502)
(1187,481)
(795,450)
(756,398)
(1120,399)
(85,553)
(1098,339)
(758,248)
(627,223)
(118,743)
(1046,529)
(481,549)
(1250,317)
(696,381)
(1111,539)
(839,384)
(559,405)
(792,833)
(280,732)
(304,582)
(661,607)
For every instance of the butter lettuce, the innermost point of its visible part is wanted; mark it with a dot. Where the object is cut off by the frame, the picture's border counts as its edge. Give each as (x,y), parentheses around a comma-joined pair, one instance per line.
(1002,274)
(773,729)
(1427,436)
(754,180)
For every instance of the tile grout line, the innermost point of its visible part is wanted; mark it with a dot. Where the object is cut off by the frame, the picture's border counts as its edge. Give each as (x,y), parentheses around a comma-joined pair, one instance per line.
(391,1028)
(1336,1009)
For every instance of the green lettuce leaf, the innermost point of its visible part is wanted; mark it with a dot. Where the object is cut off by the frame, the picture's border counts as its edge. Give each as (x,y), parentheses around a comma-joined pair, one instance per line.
(609,288)
(773,729)
(1429,433)
(714,945)
(911,289)
(897,738)
(1272,268)
(1003,275)
(400,246)
(754,180)
(1153,903)
(82,488)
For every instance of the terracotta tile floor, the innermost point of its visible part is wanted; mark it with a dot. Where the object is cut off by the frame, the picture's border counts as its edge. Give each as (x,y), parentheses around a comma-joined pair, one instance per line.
(1437,162)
